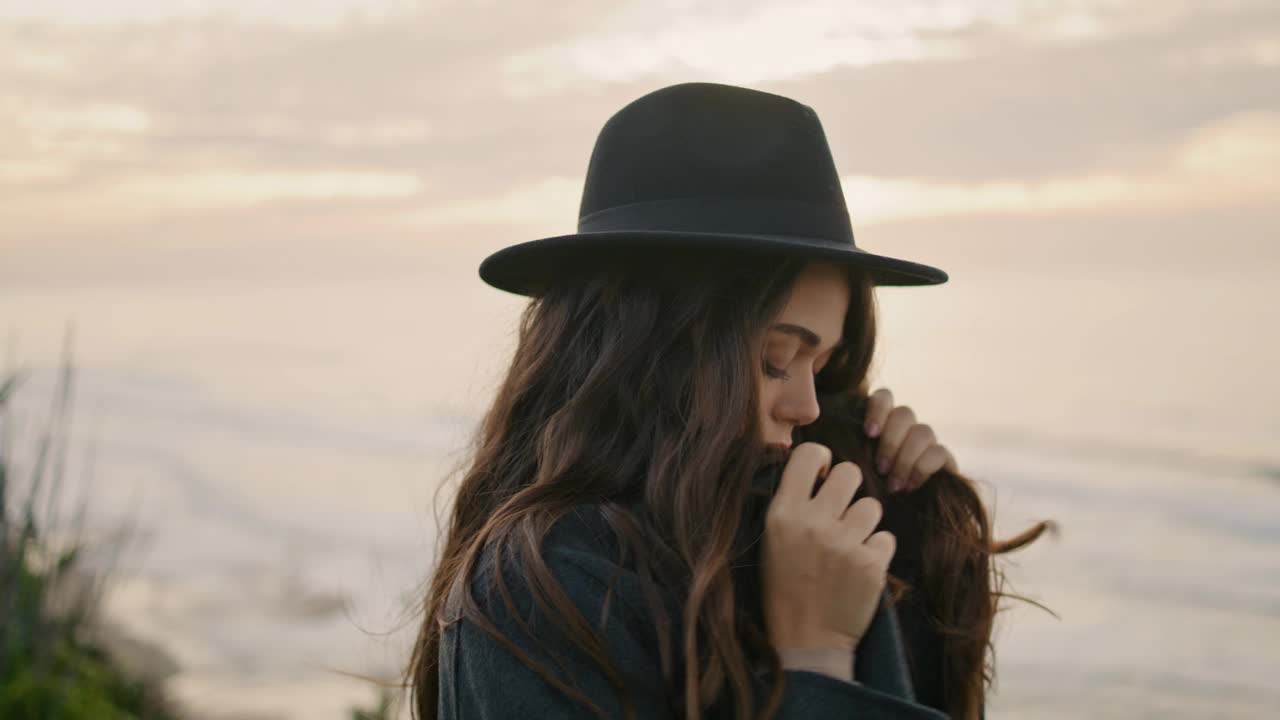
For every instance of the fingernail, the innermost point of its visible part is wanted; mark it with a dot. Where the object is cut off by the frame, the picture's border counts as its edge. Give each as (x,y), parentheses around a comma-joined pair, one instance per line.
(884,466)
(894,485)
(873,429)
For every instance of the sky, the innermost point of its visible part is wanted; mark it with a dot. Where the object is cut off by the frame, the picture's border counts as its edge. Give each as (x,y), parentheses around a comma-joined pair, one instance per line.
(132,124)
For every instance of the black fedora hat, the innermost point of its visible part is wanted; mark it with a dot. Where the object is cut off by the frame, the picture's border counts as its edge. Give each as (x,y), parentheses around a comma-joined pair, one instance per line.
(711,167)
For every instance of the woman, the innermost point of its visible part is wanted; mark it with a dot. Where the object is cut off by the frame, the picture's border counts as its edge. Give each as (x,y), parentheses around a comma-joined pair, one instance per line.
(610,551)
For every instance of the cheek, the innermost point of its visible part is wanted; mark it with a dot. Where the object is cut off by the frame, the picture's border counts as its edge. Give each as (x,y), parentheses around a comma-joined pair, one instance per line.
(768,396)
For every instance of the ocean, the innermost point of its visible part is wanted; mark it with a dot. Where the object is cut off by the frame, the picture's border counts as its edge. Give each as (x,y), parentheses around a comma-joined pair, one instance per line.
(274,419)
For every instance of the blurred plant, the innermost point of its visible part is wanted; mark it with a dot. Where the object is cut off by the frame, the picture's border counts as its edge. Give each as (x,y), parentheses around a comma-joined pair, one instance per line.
(51,668)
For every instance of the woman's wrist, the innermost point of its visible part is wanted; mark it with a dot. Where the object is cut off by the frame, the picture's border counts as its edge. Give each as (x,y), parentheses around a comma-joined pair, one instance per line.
(836,662)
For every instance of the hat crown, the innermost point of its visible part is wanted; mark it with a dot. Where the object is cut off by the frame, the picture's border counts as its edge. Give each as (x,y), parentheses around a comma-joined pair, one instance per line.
(703,167)
(709,146)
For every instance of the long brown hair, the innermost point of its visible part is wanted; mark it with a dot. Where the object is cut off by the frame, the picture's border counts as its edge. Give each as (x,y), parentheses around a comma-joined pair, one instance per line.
(635,388)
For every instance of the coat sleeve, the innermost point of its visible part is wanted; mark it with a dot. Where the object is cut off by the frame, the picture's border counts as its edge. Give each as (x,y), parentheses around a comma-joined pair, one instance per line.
(481,679)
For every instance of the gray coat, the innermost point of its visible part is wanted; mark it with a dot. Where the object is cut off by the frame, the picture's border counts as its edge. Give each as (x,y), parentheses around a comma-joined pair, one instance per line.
(480,679)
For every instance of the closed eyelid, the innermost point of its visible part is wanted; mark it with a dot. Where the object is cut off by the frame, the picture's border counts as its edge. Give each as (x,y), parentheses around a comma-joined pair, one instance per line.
(805,338)
(785,354)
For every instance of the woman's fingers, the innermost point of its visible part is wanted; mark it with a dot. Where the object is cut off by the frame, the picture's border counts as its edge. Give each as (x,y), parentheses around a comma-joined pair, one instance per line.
(862,518)
(822,568)
(919,438)
(885,544)
(879,403)
(908,452)
(807,462)
(935,458)
(897,425)
(837,491)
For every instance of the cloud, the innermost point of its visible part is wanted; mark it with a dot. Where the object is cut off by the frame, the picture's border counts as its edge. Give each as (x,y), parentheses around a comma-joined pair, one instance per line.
(1225,165)
(232,200)
(92,118)
(420,93)
(1038,112)
(232,188)
(549,202)
(1035,91)
(761,43)
(1262,50)
(374,133)
(1228,164)
(766,42)
(27,172)
(311,13)
(1012,104)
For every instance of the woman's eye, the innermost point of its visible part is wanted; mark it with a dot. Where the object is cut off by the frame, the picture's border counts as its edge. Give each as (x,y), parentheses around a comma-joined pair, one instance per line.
(779,373)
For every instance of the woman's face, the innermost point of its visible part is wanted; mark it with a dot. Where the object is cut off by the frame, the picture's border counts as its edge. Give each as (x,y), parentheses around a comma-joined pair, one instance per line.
(797,345)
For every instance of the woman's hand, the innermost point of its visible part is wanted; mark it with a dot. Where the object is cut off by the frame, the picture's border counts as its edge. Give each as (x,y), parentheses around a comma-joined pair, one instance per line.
(908,453)
(822,566)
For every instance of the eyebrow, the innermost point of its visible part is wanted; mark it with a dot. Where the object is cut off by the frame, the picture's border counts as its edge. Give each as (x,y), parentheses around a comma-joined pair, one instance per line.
(807,336)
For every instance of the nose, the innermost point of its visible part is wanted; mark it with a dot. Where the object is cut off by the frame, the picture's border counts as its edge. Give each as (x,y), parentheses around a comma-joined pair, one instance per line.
(799,402)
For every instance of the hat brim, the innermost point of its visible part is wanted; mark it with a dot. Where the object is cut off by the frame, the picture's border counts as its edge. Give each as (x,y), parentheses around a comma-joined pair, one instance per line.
(527,268)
